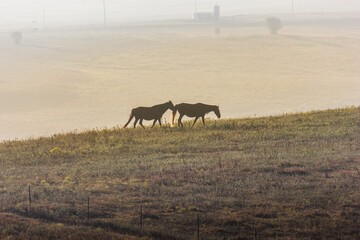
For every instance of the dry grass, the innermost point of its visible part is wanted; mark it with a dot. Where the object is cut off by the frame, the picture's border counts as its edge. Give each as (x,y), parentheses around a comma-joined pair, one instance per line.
(292,175)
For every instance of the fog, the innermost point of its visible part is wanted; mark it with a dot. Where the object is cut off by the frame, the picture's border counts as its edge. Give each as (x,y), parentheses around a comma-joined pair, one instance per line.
(25,13)
(72,72)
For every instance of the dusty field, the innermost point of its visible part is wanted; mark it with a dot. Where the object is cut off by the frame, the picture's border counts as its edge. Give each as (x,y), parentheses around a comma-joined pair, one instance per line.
(66,79)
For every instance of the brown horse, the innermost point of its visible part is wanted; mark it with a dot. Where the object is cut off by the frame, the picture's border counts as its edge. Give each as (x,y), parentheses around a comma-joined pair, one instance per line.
(193,110)
(149,113)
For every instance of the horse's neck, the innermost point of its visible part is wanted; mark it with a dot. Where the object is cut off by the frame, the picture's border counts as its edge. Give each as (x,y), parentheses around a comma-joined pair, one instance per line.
(163,107)
(209,108)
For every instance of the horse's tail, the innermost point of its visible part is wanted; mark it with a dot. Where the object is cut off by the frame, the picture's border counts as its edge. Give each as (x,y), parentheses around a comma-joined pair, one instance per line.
(130,118)
(173,114)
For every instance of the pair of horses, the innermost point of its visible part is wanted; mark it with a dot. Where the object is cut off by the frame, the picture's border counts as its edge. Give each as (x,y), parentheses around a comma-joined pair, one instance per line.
(185,109)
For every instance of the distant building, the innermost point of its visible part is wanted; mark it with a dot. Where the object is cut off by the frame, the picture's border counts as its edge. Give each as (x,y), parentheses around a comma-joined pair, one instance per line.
(203,16)
(217,12)
(207,16)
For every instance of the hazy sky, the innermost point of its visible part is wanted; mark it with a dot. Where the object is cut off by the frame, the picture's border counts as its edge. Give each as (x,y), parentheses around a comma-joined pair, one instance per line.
(30,12)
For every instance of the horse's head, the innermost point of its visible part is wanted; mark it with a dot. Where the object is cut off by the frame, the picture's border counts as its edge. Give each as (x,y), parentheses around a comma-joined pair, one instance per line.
(217,111)
(170,105)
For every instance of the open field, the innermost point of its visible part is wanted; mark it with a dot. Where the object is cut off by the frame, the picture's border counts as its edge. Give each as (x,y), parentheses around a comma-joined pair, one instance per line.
(292,176)
(82,78)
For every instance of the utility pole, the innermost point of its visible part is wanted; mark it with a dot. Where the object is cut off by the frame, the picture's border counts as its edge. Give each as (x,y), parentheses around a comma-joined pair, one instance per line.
(104,12)
(44,22)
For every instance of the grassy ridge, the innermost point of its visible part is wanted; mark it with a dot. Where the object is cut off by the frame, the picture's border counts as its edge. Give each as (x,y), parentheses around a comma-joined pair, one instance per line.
(291,175)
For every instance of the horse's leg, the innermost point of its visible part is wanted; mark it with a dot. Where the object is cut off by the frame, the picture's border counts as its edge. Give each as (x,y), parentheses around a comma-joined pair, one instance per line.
(136,120)
(154,123)
(203,120)
(195,121)
(141,123)
(159,122)
(173,114)
(179,121)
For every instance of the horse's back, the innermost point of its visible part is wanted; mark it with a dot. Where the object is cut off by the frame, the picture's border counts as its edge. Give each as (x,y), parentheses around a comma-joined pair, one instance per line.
(184,106)
(147,113)
(190,110)
(196,106)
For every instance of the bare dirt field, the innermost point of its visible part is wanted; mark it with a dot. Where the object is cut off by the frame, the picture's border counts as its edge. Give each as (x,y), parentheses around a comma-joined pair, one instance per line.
(82,78)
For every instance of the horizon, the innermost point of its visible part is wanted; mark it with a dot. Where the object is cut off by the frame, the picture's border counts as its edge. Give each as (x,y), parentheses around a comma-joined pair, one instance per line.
(21,14)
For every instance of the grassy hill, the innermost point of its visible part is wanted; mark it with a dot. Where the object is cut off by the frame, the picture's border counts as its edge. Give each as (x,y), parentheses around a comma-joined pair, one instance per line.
(290,176)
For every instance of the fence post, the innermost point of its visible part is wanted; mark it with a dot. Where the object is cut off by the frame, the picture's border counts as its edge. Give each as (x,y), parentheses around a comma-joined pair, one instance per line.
(141,218)
(198,226)
(29,199)
(88,209)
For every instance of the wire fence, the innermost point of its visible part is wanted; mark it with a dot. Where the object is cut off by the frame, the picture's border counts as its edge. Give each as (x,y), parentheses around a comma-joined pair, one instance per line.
(144,222)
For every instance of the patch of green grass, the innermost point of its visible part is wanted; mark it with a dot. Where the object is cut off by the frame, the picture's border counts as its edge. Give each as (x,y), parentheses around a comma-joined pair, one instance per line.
(295,175)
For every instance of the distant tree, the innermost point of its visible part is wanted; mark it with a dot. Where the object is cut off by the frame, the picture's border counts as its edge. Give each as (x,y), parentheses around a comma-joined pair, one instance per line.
(16,37)
(273,24)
